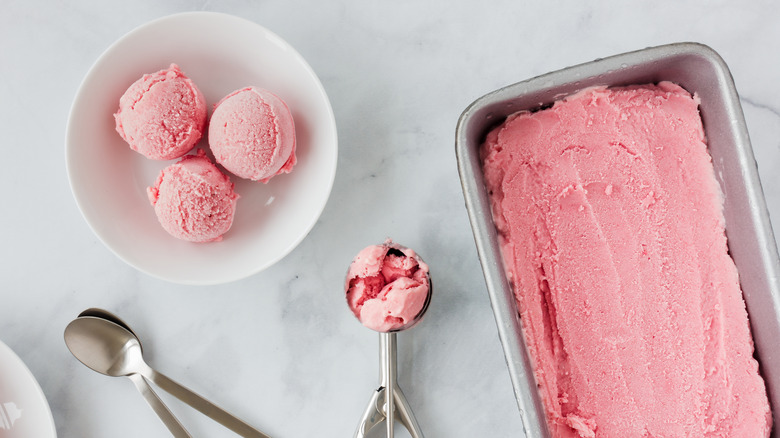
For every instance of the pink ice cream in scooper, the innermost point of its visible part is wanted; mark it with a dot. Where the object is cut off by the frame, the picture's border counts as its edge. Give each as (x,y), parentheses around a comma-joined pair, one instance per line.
(388,288)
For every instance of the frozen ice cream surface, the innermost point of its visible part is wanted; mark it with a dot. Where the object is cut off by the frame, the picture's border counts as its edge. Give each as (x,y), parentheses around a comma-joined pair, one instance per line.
(194,200)
(612,231)
(387,286)
(252,134)
(162,115)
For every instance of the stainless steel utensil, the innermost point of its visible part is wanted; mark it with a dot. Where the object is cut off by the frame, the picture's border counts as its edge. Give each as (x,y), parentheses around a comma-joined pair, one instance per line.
(159,407)
(388,400)
(111,349)
(103,362)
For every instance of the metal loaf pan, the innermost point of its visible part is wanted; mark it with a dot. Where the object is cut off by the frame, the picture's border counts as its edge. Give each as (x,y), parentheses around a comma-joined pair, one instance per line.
(698,69)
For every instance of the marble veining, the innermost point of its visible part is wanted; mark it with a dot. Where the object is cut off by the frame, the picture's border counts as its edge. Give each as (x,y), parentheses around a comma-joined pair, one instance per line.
(280,348)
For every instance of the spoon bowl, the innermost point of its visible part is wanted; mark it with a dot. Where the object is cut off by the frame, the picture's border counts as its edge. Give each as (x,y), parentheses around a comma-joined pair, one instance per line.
(104,346)
(105,314)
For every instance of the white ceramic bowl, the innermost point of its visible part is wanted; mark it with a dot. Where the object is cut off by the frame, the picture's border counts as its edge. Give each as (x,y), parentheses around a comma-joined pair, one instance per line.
(220,53)
(24,411)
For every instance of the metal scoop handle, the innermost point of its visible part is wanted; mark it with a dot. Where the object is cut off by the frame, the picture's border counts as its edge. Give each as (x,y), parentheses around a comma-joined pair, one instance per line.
(388,401)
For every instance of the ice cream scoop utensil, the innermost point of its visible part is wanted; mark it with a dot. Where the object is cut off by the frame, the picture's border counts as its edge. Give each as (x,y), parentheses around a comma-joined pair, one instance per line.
(111,349)
(388,288)
(388,400)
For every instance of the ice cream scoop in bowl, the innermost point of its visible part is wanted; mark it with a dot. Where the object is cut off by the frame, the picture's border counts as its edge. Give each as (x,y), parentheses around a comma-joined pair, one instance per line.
(388,288)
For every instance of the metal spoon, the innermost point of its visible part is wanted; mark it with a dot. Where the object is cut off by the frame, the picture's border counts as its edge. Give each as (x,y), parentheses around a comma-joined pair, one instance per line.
(80,349)
(167,417)
(111,349)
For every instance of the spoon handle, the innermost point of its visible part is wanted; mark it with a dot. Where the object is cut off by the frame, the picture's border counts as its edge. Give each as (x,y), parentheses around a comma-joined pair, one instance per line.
(159,407)
(204,406)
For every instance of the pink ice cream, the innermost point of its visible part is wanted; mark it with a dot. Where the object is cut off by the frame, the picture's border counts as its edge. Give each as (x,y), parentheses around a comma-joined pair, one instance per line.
(387,286)
(162,115)
(193,200)
(611,225)
(252,134)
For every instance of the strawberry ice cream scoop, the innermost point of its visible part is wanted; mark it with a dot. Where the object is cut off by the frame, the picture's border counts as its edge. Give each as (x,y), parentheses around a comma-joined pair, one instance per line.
(388,287)
(193,200)
(252,134)
(162,115)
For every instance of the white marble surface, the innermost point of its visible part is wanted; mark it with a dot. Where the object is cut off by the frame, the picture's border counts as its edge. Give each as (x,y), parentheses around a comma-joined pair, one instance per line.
(280,348)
